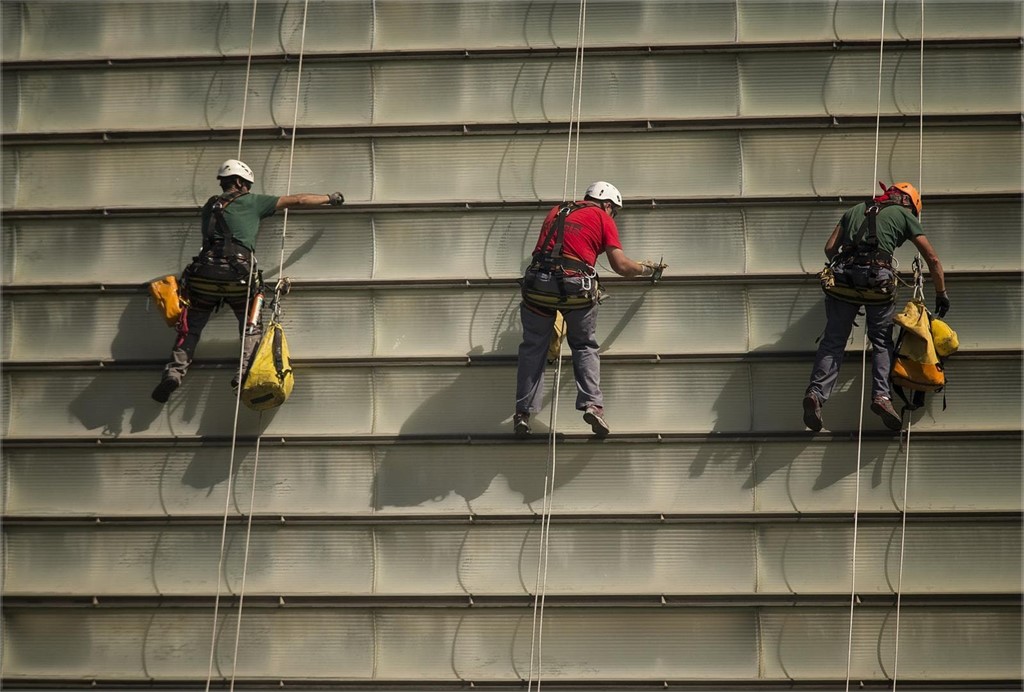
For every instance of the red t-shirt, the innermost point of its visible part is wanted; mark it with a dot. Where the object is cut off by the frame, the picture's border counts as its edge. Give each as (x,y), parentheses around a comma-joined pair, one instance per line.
(588,232)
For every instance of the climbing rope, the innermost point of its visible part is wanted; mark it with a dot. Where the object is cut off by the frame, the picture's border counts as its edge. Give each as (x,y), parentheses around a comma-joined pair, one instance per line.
(241,360)
(540,589)
(918,294)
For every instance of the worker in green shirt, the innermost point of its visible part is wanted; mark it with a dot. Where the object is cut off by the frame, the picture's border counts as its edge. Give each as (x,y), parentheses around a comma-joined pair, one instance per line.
(225,270)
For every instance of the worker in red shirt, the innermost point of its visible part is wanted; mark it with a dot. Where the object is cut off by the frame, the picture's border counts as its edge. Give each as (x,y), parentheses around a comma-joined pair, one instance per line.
(562,278)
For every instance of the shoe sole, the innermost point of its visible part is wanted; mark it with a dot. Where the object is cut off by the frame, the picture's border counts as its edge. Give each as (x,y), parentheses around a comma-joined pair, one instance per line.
(597,425)
(890,421)
(522,430)
(812,419)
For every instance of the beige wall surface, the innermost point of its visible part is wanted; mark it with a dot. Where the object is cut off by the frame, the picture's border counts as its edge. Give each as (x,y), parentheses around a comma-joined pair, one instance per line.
(396,536)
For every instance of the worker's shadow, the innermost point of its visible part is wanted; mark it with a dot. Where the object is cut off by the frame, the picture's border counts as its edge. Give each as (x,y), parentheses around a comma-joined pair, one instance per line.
(94,407)
(837,461)
(415,475)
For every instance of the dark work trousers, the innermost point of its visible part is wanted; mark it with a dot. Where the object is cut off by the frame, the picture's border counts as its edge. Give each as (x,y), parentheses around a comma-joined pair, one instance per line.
(194,319)
(581,328)
(840,316)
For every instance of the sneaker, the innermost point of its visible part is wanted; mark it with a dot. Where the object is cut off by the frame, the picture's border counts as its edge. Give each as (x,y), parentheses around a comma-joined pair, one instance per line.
(521,424)
(162,392)
(594,415)
(883,407)
(812,412)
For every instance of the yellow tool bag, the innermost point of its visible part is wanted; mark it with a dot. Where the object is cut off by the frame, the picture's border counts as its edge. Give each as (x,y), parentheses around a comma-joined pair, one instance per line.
(557,335)
(270,380)
(917,363)
(167,298)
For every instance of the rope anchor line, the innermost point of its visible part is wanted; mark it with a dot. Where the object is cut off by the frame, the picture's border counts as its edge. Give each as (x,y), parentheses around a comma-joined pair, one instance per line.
(281,289)
(918,292)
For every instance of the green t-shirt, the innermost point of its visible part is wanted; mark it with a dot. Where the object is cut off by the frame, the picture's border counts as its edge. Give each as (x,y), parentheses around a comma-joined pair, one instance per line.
(895,225)
(243,217)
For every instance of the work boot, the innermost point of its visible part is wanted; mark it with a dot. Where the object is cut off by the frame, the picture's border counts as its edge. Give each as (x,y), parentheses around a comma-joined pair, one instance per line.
(595,416)
(812,412)
(521,424)
(162,392)
(883,407)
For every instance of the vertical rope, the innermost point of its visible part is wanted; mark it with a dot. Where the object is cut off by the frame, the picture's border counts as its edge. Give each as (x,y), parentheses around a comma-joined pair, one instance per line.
(918,290)
(864,378)
(238,394)
(248,68)
(540,590)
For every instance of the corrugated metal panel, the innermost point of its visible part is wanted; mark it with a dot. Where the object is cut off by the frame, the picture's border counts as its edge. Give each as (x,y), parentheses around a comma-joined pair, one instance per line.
(489,244)
(523,167)
(101,30)
(655,87)
(446,480)
(617,644)
(675,397)
(403,322)
(965,558)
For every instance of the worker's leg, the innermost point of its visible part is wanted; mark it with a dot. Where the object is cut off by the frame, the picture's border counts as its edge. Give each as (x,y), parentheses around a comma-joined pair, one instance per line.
(581,335)
(190,329)
(829,358)
(533,351)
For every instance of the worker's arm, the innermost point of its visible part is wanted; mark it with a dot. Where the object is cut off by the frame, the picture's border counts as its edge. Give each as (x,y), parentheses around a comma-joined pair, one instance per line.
(306,199)
(934,265)
(624,266)
(832,246)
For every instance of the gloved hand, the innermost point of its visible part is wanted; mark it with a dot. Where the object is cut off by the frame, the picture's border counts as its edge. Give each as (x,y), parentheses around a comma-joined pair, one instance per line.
(653,269)
(336,199)
(942,303)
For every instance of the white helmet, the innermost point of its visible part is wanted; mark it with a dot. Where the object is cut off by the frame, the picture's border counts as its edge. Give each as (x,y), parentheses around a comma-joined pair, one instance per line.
(235,167)
(604,191)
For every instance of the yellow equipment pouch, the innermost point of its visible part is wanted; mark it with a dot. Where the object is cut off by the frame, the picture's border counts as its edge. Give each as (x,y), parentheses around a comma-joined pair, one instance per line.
(270,380)
(919,377)
(168,300)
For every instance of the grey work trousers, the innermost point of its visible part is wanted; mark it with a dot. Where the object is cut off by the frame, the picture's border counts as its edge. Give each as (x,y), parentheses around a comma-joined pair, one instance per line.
(581,328)
(840,316)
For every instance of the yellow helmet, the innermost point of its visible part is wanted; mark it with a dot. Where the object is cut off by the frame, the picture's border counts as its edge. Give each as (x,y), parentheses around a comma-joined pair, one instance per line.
(945,339)
(915,196)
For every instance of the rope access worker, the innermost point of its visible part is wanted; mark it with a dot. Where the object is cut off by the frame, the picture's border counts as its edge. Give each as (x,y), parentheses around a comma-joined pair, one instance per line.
(860,253)
(562,278)
(225,270)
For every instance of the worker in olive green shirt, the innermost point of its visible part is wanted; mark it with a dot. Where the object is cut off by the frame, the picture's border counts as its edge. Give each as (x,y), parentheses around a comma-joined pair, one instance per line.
(867,265)
(224,271)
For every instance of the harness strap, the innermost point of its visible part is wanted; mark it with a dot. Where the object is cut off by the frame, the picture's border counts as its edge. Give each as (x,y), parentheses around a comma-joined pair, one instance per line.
(219,204)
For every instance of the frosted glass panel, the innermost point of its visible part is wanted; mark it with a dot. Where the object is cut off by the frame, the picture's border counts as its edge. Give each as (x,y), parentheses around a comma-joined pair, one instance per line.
(432,560)
(644,644)
(525,167)
(443,400)
(671,477)
(326,246)
(669,319)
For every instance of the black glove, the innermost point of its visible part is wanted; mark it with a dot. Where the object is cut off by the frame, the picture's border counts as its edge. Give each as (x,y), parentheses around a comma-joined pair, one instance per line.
(942,303)
(336,199)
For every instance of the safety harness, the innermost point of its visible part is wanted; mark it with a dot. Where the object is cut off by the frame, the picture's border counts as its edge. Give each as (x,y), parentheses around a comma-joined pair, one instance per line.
(549,266)
(845,278)
(221,269)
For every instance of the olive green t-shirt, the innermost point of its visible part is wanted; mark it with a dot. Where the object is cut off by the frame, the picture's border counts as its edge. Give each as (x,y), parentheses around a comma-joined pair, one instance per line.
(243,217)
(895,225)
